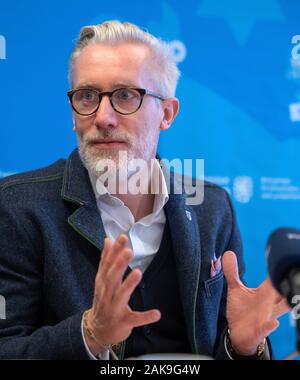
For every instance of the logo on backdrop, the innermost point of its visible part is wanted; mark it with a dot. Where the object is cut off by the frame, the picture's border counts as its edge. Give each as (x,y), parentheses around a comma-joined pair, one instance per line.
(240,187)
(243,189)
(296,49)
(178,50)
(2,47)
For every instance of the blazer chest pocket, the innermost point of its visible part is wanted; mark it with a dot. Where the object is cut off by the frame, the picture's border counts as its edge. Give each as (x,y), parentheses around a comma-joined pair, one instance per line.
(214,286)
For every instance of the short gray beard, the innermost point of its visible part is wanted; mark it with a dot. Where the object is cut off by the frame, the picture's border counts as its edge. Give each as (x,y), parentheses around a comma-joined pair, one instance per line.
(90,157)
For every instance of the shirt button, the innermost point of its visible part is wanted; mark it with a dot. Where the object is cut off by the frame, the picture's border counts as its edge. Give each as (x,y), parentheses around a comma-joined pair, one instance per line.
(147,330)
(143,285)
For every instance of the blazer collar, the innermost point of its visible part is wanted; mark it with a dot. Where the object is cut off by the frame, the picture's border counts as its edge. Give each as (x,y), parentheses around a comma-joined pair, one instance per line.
(77,189)
(76,183)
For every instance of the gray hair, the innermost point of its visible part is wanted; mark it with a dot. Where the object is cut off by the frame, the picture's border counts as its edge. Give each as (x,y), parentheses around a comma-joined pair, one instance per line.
(116,32)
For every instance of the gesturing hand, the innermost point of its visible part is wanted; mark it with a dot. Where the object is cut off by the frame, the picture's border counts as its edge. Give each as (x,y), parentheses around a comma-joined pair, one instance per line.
(110,318)
(251,313)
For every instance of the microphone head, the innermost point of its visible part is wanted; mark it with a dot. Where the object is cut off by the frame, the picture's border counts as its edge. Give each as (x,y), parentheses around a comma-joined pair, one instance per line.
(283,254)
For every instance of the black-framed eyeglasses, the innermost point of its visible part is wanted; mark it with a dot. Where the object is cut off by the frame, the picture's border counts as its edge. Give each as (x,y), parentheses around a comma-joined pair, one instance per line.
(86,101)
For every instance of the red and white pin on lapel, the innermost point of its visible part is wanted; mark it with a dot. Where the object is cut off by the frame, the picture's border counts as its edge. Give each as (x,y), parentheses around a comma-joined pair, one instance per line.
(216,266)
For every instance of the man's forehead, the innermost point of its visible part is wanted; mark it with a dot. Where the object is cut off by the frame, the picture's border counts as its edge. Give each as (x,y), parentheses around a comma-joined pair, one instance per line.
(102,53)
(121,65)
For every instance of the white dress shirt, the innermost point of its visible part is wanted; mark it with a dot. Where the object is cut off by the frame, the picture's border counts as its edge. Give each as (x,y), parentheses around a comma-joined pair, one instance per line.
(144,235)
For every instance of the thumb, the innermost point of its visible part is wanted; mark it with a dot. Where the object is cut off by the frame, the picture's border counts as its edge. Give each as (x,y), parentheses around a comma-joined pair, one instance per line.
(230,269)
(269,327)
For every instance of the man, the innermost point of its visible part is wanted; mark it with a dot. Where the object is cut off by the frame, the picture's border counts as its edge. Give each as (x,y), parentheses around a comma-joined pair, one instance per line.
(86,268)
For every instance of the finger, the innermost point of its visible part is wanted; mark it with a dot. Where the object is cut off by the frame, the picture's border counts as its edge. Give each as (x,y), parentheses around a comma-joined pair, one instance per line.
(142,318)
(114,250)
(106,248)
(108,243)
(127,288)
(114,276)
(269,291)
(268,327)
(231,270)
(281,308)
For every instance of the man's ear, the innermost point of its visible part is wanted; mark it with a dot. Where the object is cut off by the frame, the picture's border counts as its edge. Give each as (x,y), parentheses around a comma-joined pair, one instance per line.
(170,111)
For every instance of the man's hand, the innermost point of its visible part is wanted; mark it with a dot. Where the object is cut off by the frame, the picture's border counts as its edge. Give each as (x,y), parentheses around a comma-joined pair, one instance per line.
(110,317)
(251,313)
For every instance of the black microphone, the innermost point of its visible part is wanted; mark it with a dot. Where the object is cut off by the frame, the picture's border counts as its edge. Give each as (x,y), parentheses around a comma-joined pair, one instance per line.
(283,255)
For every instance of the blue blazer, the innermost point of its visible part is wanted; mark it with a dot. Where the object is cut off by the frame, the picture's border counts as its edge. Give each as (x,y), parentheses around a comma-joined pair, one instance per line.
(51,241)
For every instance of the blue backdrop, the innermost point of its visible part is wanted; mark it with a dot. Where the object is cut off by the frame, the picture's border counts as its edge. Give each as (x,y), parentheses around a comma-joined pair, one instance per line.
(239,92)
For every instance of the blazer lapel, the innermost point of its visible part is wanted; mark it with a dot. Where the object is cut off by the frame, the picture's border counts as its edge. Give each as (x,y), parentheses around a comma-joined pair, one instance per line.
(186,247)
(77,189)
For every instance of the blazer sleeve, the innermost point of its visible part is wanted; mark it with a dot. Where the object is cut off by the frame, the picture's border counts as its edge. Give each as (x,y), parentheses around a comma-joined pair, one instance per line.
(23,334)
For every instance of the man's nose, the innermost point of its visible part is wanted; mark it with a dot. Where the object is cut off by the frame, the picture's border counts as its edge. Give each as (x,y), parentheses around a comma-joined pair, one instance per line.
(106,116)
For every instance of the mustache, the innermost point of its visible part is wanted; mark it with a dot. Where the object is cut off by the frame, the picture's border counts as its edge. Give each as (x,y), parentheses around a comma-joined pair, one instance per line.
(88,139)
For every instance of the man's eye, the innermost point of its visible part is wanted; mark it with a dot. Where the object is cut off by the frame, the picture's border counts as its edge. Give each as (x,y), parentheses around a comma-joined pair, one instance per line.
(88,95)
(124,95)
